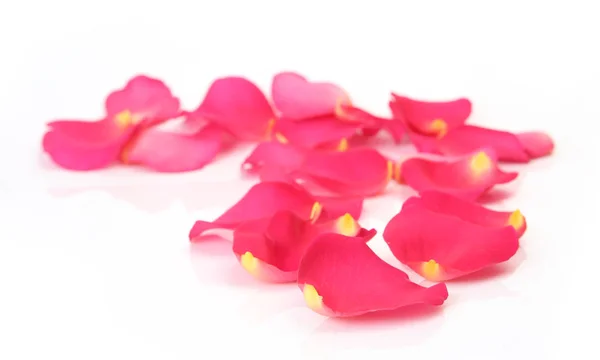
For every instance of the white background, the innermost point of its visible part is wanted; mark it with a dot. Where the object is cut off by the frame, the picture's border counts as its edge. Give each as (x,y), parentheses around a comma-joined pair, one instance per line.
(98,266)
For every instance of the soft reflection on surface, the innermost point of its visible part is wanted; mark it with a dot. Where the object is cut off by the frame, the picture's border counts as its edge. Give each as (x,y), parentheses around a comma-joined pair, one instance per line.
(156,197)
(219,183)
(215,263)
(403,327)
(264,302)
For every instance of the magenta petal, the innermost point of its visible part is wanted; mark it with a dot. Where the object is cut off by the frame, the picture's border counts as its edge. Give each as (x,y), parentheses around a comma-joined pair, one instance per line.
(168,151)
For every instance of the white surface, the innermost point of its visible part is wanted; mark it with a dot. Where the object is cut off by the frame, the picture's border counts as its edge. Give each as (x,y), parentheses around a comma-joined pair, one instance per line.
(98,266)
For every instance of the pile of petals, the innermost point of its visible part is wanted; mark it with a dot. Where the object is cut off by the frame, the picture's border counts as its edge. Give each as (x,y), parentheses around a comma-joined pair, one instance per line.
(301,221)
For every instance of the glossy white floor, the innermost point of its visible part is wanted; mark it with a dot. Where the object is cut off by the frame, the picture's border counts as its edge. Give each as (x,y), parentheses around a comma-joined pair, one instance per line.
(98,266)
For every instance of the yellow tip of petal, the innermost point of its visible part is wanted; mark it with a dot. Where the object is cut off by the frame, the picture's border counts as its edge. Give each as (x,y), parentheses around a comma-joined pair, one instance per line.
(393,171)
(282,139)
(480,163)
(516,220)
(439,127)
(312,298)
(343,145)
(124,155)
(315,212)
(339,103)
(124,118)
(430,270)
(397,174)
(250,263)
(270,127)
(346,225)
(338,110)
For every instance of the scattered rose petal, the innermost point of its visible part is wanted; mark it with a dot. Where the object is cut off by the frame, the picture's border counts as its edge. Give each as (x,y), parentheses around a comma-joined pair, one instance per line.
(85,145)
(142,99)
(299,99)
(431,117)
(537,144)
(270,154)
(314,133)
(342,276)
(440,246)
(371,131)
(338,206)
(274,173)
(168,151)
(270,249)
(372,124)
(470,211)
(238,105)
(278,162)
(467,177)
(263,200)
(424,143)
(507,146)
(358,172)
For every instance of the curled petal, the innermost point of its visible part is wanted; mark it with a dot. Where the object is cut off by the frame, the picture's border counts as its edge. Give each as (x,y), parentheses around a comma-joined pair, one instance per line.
(342,276)
(338,206)
(299,99)
(85,145)
(276,174)
(353,114)
(359,171)
(167,151)
(429,117)
(263,200)
(470,211)
(332,207)
(142,99)
(335,205)
(239,106)
(424,143)
(507,146)
(356,172)
(370,131)
(285,157)
(467,177)
(440,246)
(314,133)
(467,139)
(270,249)
(372,124)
